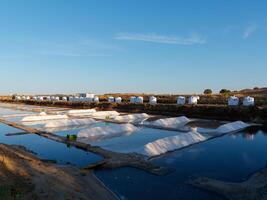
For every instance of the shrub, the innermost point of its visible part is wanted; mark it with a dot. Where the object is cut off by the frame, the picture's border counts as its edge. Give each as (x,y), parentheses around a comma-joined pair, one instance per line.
(224,91)
(207,91)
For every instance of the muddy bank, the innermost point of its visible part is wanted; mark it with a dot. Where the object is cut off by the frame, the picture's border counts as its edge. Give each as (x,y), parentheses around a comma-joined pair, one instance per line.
(23,176)
(256,114)
(253,188)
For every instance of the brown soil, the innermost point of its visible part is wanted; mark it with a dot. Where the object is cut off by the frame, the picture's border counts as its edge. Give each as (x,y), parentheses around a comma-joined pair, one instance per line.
(23,176)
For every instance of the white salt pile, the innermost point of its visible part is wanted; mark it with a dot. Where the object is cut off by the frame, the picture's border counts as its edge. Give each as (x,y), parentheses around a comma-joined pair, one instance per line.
(81,112)
(174,122)
(166,144)
(104,132)
(132,117)
(69,122)
(232,127)
(43,116)
(105,114)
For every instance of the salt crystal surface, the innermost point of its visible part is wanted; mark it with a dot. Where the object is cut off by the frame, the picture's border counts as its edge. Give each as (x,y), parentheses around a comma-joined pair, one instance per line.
(81,112)
(104,132)
(174,122)
(105,114)
(43,117)
(132,117)
(166,144)
(69,122)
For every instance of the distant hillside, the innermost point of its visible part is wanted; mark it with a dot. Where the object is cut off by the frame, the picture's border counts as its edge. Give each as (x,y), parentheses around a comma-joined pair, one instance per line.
(253,92)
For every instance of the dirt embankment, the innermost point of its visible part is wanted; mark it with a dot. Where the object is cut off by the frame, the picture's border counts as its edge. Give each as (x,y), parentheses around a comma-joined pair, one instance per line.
(256,114)
(255,188)
(23,176)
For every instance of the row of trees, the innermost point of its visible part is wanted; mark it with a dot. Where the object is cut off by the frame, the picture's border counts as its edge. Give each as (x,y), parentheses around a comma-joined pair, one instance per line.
(222,91)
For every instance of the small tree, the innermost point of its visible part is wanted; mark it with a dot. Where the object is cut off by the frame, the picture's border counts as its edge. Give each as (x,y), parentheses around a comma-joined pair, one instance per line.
(207,91)
(224,91)
(255,88)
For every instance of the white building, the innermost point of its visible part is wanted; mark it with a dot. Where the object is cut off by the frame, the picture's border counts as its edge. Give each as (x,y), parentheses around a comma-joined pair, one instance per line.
(248,101)
(118,99)
(40,98)
(110,99)
(71,98)
(88,99)
(233,101)
(152,100)
(17,97)
(181,100)
(96,99)
(132,99)
(139,99)
(56,99)
(64,99)
(193,100)
(86,95)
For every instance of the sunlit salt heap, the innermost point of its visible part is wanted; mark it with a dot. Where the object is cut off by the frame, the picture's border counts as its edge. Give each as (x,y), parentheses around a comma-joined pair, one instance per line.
(105,114)
(81,112)
(232,127)
(166,144)
(69,122)
(174,122)
(132,117)
(43,116)
(104,132)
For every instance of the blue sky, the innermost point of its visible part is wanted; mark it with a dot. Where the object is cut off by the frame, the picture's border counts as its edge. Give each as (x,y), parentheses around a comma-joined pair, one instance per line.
(157,46)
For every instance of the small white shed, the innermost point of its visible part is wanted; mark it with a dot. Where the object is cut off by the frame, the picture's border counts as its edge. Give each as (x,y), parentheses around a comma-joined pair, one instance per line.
(233,101)
(118,99)
(181,100)
(152,100)
(64,99)
(132,99)
(96,99)
(71,98)
(111,99)
(248,101)
(193,100)
(139,99)
(18,98)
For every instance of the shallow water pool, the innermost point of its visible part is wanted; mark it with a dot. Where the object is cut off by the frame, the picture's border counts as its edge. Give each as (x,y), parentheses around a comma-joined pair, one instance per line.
(230,158)
(48,149)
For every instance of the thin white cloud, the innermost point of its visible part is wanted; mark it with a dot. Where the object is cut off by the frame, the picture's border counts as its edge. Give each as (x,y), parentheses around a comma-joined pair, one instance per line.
(249,30)
(191,40)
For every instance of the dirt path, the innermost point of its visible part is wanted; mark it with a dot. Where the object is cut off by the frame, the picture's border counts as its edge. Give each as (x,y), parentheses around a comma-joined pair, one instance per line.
(255,188)
(23,176)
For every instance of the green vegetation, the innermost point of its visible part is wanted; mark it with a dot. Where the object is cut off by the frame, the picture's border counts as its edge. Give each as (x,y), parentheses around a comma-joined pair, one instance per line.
(207,91)
(224,91)
(72,137)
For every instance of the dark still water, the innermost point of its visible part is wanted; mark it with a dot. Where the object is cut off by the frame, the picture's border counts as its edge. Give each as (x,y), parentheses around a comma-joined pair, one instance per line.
(231,158)
(48,149)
